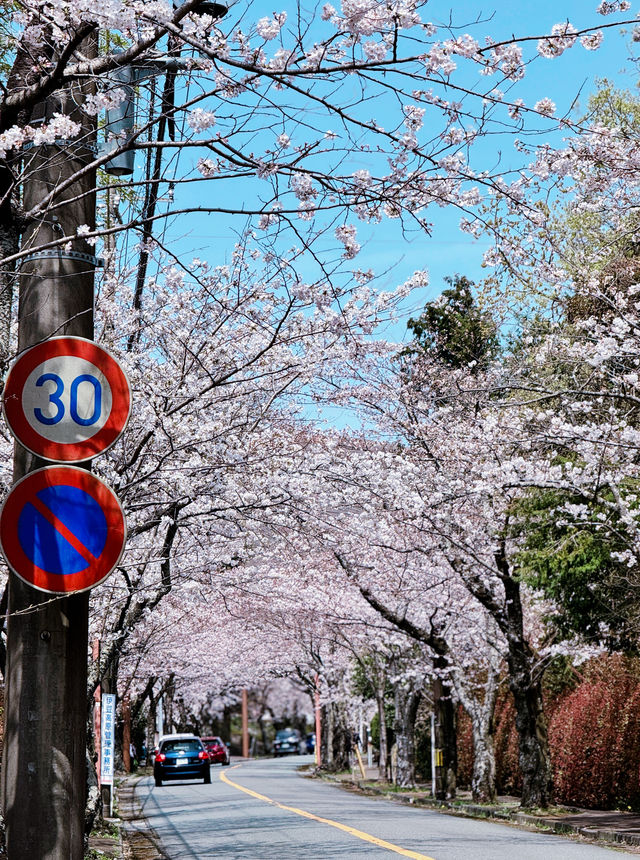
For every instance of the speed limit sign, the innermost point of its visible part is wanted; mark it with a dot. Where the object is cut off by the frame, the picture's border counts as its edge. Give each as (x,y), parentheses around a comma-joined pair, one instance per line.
(66,399)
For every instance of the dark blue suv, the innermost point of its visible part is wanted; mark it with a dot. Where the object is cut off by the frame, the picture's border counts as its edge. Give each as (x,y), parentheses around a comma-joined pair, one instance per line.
(288,741)
(181,757)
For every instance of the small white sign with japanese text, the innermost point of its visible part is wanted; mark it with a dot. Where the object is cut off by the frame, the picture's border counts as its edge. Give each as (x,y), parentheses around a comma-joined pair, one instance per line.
(107,738)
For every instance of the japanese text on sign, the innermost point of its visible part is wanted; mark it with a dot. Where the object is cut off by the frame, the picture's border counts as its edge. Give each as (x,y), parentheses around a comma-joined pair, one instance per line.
(107,738)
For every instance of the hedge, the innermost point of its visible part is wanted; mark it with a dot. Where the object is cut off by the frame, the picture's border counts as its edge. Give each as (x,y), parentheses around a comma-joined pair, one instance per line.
(594,738)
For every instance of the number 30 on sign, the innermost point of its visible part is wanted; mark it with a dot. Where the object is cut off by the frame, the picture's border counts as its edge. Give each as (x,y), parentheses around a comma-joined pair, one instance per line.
(66,399)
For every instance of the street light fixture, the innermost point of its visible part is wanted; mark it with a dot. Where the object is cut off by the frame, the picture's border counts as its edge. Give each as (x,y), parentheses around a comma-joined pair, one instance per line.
(119,120)
(216,10)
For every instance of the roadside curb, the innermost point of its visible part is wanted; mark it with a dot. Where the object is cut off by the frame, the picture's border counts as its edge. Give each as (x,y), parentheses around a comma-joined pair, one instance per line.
(560,826)
(473,810)
(139,842)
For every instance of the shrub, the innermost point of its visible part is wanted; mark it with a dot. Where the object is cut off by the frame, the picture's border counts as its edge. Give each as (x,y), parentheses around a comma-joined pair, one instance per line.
(594,735)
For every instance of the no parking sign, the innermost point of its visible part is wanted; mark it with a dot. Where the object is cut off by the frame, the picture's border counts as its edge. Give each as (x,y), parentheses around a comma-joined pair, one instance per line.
(62,529)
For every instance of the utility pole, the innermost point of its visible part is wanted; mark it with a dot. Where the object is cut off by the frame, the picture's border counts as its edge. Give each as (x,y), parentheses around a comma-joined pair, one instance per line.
(245,724)
(97,716)
(444,759)
(44,760)
(126,735)
(318,715)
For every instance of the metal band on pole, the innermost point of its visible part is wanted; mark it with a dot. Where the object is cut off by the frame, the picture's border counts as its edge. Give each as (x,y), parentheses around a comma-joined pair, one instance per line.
(55,254)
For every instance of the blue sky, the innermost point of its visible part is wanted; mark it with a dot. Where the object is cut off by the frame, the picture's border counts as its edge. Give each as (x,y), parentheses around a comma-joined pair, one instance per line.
(448,251)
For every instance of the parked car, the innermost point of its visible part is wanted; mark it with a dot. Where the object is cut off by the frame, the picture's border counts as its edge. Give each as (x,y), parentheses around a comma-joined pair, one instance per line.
(288,741)
(181,757)
(311,742)
(217,749)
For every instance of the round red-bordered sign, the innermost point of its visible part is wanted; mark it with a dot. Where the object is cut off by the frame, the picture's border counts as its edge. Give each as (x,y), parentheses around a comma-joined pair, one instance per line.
(66,399)
(62,529)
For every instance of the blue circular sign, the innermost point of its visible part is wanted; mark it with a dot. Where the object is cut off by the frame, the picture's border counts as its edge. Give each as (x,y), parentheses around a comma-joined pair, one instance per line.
(62,529)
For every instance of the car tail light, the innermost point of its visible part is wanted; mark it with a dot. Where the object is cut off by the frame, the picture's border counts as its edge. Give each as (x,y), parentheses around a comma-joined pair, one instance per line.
(160,757)
(203,754)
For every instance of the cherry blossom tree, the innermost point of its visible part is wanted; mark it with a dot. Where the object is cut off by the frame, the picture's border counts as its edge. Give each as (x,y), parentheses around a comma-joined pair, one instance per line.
(227,94)
(219,371)
(224,359)
(452,487)
(574,373)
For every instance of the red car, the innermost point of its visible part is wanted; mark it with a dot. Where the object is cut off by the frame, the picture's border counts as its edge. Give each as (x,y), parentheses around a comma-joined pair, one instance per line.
(217,749)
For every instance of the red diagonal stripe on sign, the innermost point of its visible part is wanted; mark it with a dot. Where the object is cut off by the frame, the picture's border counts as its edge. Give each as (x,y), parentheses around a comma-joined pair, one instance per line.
(60,527)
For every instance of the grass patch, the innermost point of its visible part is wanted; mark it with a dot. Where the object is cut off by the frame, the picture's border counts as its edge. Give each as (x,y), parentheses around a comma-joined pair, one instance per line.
(106,829)
(547,810)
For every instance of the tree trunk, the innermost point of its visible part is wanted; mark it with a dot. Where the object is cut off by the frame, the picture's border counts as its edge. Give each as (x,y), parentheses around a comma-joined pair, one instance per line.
(263,731)
(383,761)
(169,692)
(342,744)
(533,752)
(151,724)
(483,780)
(225,724)
(336,740)
(406,703)
(525,682)
(443,702)
(327,738)
(481,713)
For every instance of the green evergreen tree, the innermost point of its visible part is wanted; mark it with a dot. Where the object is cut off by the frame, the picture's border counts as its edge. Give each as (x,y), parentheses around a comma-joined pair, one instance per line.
(573,551)
(454,330)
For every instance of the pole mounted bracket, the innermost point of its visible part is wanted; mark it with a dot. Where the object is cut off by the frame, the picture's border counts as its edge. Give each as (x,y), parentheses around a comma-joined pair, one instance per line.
(63,144)
(55,254)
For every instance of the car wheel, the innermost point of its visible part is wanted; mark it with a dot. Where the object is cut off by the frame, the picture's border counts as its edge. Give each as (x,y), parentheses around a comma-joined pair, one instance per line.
(207,777)
(158,782)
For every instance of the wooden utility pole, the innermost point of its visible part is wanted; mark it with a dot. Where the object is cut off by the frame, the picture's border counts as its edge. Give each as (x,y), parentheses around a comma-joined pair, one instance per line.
(44,759)
(444,754)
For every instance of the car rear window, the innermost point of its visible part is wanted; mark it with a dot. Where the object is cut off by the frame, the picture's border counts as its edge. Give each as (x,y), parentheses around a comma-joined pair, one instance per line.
(181,746)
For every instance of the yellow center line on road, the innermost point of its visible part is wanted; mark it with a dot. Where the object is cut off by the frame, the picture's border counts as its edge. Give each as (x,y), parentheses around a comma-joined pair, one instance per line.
(360,834)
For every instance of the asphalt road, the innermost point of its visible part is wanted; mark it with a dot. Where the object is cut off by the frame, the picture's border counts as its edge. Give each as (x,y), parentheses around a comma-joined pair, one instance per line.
(264,810)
